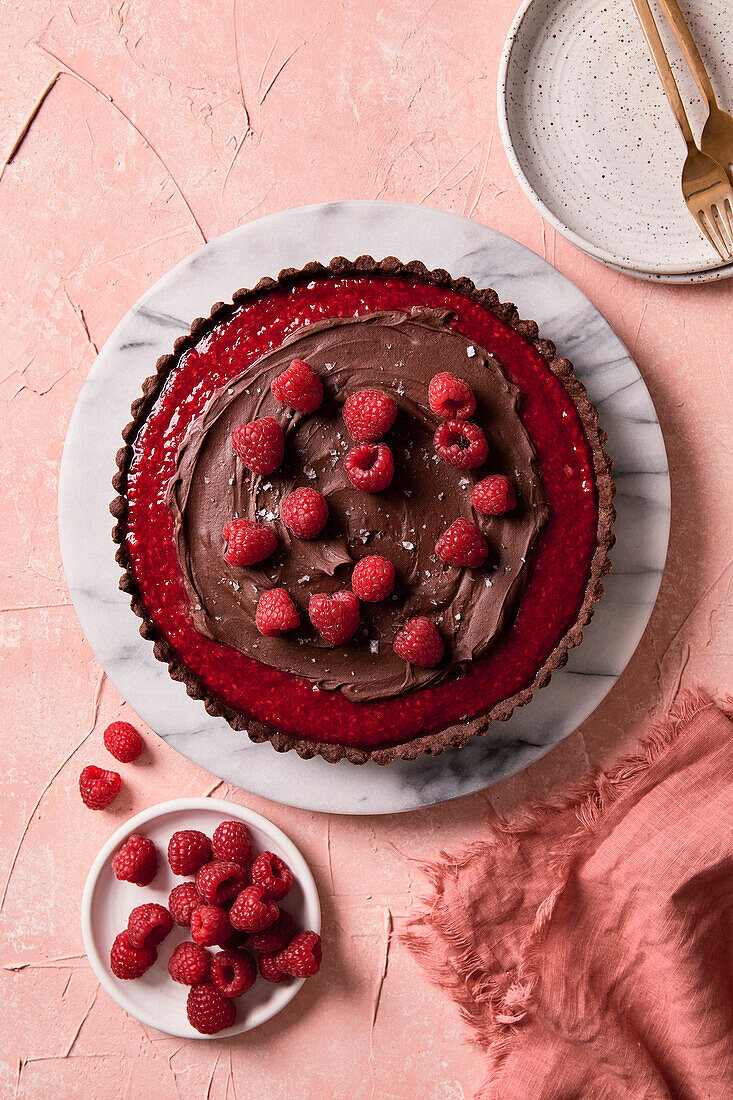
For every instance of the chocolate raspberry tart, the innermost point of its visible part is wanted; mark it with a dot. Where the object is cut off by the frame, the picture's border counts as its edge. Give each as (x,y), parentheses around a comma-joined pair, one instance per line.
(363,510)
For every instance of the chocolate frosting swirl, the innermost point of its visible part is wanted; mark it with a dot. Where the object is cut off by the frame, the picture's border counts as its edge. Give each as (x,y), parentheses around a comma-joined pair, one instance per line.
(397,353)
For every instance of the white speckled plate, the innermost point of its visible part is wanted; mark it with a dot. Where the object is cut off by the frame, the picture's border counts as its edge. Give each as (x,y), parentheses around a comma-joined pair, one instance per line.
(591,137)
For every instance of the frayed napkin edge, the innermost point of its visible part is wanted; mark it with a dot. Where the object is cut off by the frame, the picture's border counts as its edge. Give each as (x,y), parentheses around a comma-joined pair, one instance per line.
(590,799)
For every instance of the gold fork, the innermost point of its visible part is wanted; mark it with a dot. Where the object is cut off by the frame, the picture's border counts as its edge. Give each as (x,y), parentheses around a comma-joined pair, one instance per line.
(705,186)
(717,135)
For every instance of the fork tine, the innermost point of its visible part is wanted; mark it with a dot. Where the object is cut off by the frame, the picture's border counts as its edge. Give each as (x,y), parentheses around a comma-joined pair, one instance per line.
(724,222)
(710,232)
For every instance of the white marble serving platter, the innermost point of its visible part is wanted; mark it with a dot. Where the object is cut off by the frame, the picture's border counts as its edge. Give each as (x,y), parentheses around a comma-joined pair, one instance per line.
(292,238)
(592,139)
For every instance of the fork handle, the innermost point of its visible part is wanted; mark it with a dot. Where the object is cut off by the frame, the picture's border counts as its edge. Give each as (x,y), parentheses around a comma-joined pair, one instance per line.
(683,35)
(651,32)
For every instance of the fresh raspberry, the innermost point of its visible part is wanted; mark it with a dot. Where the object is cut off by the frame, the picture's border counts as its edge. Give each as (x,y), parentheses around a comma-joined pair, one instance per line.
(182,901)
(461,444)
(276,613)
(462,544)
(98,788)
(336,617)
(126,961)
(136,861)
(253,911)
(260,444)
(269,969)
(451,397)
(189,964)
(208,1011)
(305,512)
(370,467)
(273,873)
(373,579)
(419,643)
(188,849)
(302,957)
(231,843)
(247,542)
(299,387)
(219,882)
(277,936)
(123,741)
(494,495)
(148,925)
(368,415)
(233,972)
(210,925)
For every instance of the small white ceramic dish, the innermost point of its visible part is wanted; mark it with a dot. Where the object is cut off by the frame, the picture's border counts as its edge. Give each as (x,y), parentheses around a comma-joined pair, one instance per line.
(591,138)
(155,999)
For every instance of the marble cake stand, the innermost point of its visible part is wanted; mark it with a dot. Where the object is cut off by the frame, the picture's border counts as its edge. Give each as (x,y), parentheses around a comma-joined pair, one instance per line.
(292,239)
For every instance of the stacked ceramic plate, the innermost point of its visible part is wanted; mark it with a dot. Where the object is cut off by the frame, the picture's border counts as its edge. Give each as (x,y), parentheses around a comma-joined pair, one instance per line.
(592,140)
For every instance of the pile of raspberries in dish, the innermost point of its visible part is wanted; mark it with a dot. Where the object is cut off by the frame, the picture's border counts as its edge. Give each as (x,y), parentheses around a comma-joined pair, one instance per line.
(368,415)
(231,906)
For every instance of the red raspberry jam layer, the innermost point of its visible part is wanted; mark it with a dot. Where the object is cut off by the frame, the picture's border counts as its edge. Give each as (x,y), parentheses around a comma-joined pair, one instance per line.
(556,587)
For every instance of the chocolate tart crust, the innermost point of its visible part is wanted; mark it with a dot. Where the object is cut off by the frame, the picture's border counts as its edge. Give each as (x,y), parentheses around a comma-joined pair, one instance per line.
(457,734)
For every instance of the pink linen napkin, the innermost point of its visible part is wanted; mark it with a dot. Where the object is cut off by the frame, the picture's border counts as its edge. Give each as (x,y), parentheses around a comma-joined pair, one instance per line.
(589,940)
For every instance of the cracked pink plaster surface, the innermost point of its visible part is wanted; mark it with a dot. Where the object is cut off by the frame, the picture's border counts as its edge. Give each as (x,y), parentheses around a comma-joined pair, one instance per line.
(172,123)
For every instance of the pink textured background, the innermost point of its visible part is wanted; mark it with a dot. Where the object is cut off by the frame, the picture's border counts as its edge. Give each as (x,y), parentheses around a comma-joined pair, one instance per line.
(165,125)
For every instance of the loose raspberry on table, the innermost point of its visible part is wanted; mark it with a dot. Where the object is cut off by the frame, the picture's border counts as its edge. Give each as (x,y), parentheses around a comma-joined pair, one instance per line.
(188,849)
(231,843)
(253,911)
(148,925)
(420,643)
(136,861)
(208,1011)
(233,972)
(462,544)
(304,512)
(451,397)
(277,936)
(276,613)
(123,741)
(299,387)
(494,495)
(126,961)
(247,542)
(373,578)
(182,901)
(210,925)
(189,964)
(269,968)
(461,444)
(219,882)
(370,467)
(335,617)
(368,415)
(273,873)
(260,444)
(98,787)
(302,957)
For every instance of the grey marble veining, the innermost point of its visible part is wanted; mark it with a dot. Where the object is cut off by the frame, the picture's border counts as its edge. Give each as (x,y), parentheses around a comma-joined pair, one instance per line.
(293,238)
